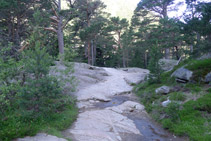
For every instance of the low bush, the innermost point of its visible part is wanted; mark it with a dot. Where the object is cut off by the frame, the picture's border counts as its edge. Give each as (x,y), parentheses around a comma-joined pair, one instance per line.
(31,100)
(194,88)
(177,96)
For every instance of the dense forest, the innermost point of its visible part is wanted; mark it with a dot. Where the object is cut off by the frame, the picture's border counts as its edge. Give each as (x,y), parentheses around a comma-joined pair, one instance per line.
(85,32)
(36,33)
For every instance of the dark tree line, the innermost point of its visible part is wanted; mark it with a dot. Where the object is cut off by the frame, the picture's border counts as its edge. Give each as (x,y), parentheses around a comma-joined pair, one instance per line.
(85,32)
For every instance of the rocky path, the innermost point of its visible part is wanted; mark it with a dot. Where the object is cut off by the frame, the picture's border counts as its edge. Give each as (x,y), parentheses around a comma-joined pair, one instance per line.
(108,110)
(106,124)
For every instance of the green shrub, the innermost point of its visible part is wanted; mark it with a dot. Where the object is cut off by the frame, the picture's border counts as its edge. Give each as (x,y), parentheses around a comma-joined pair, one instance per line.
(9,84)
(204,103)
(200,69)
(192,123)
(195,88)
(167,123)
(35,101)
(177,96)
(172,111)
(199,65)
(209,90)
(154,66)
(42,96)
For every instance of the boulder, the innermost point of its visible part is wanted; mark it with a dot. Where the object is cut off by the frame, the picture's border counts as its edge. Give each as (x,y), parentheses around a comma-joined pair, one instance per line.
(167,64)
(182,74)
(208,78)
(205,56)
(163,90)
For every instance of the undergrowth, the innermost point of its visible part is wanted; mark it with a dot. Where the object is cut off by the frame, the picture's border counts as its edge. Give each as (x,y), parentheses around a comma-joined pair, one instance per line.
(14,125)
(185,115)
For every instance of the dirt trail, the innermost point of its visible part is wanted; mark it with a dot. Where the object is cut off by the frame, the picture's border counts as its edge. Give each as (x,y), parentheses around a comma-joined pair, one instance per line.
(109,111)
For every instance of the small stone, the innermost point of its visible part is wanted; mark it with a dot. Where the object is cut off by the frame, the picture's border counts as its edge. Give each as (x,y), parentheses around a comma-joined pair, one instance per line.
(166,103)
(208,78)
(162,90)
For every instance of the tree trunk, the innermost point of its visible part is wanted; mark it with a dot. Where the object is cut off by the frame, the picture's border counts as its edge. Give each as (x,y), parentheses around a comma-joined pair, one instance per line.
(60,35)
(123,59)
(198,37)
(95,52)
(177,53)
(123,51)
(88,52)
(17,31)
(89,42)
(167,53)
(165,15)
(191,48)
(145,59)
(92,47)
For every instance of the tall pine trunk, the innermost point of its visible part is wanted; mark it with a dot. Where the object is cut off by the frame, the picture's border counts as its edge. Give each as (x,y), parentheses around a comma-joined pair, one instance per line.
(60,35)
(165,16)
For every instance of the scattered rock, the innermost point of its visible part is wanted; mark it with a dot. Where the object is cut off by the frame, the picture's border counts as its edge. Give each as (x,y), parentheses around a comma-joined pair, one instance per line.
(182,74)
(208,78)
(162,90)
(42,137)
(166,103)
(176,88)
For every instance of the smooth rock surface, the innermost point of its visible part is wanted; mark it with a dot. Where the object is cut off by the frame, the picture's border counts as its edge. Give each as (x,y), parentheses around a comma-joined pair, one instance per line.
(114,84)
(108,124)
(128,106)
(102,125)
